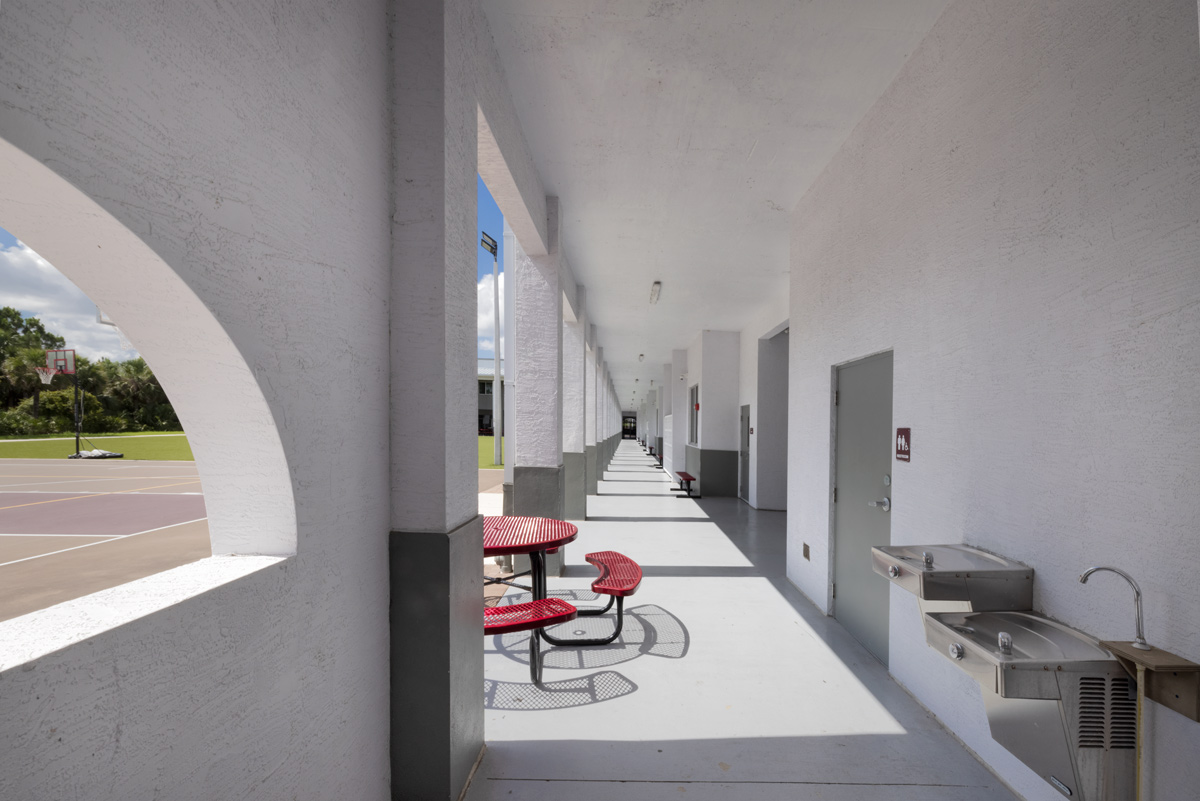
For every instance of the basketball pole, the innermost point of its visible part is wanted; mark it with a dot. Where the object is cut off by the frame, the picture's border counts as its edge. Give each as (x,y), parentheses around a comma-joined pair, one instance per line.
(78,412)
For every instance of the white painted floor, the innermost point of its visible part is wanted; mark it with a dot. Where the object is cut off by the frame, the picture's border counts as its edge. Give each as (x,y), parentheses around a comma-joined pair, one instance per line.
(727,683)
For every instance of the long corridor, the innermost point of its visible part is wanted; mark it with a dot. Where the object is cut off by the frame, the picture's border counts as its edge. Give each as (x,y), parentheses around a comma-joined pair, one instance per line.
(725,684)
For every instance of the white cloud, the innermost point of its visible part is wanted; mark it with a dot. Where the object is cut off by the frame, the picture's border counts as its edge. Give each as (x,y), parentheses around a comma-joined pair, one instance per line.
(486,319)
(31,285)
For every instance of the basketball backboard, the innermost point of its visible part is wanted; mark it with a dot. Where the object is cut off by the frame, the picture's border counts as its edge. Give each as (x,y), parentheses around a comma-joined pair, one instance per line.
(61,360)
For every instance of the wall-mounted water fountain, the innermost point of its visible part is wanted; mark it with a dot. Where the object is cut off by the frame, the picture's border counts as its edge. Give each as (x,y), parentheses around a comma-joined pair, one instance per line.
(1055,697)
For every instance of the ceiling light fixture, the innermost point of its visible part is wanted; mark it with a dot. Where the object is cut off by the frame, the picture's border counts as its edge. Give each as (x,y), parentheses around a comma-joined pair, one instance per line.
(641,357)
(655,290)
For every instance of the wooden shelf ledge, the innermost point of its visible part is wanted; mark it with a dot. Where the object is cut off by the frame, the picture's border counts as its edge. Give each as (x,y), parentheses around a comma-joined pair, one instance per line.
(1170,680)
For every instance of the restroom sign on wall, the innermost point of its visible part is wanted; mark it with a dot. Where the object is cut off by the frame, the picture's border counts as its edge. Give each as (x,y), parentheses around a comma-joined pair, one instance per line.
(903,444)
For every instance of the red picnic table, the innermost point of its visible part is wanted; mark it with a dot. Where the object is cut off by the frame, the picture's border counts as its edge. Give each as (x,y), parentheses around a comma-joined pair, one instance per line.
(535,536)
(619,577)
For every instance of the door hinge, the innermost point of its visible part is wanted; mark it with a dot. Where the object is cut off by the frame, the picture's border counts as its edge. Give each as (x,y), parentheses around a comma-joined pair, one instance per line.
(835,494)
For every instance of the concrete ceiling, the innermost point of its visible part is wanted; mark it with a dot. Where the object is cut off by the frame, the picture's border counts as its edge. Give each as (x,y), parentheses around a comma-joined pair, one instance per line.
(678,136)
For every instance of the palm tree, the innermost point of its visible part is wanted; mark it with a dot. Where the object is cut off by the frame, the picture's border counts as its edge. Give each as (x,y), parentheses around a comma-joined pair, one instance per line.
(21,371)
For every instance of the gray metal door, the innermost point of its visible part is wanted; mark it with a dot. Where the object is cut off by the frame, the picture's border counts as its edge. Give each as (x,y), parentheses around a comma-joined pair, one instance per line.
(862,481)
(744,457)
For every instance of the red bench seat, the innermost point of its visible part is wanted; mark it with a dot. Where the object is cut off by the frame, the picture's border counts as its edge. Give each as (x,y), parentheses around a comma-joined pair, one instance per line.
(685,484)
(619,578)
(527,616)
(619,575)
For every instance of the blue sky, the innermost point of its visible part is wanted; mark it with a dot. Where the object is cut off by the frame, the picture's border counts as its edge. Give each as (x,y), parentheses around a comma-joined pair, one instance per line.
(491,220)
(32,286)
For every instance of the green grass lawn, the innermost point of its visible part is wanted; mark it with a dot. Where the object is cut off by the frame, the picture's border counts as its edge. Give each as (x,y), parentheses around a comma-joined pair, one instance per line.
(487,452)
(153,446)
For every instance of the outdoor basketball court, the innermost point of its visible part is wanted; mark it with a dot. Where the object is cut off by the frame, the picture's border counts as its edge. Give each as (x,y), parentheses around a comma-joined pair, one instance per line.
(69,528)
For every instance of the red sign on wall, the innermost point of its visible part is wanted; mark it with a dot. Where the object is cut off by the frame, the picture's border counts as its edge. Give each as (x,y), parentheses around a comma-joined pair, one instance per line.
(903,444)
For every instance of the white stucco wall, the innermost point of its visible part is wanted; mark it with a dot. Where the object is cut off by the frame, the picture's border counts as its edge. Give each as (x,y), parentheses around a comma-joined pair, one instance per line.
(244,148)
(719,387)
(573,389)
(768,443)
(1017,219)
(695,377)
(589,398)
(679,408)
(769,319)
(538,335)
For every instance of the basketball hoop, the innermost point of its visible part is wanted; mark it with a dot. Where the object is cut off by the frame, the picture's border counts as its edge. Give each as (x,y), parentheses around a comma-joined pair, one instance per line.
(46,374)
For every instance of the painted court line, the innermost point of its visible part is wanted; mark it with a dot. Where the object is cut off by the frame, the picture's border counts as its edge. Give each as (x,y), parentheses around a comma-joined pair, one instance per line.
(6,490)
(101,542)
(62,481)
(96,495)
(76,476)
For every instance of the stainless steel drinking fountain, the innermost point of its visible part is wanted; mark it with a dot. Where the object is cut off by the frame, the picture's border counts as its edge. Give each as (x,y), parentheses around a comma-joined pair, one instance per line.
(1054,697)
(956,573)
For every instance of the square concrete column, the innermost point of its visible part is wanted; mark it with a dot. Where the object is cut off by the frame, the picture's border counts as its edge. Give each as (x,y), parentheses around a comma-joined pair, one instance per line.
(679,409)
(589,417)
(538,405)
(605,421)
(573,458)
(436,539)
(660,412)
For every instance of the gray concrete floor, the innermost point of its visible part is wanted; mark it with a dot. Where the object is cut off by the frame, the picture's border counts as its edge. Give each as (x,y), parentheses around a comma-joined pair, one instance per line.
(727,682)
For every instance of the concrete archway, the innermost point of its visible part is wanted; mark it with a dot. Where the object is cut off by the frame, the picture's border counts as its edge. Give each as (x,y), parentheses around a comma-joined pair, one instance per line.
(231,428)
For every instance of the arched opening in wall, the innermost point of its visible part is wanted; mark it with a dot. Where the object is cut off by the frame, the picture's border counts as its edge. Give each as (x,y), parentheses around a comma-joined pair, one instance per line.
(238,457)
(73,387)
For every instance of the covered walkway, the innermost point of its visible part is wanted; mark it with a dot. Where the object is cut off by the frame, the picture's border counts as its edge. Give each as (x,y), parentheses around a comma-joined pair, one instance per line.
(727,682)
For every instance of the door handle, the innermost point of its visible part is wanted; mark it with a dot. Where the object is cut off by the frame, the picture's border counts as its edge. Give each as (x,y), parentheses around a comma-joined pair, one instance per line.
(886,503)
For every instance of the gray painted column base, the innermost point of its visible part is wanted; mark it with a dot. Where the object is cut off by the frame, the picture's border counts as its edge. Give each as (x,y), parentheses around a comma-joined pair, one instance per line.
(538,492)
(574,486)
(590,461)
(658,448)
(508,499)
(436,660)
(716,472)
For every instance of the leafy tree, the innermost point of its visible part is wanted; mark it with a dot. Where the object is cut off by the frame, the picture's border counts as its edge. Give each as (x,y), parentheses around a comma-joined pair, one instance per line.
(18,332)
(118,396)
(21,371)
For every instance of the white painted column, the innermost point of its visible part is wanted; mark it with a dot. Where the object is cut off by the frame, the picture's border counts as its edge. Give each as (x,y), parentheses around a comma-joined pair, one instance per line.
(574,464)
(589,415)
(669,420)
(436,533)
(601,414)
(679,410)
(538,332)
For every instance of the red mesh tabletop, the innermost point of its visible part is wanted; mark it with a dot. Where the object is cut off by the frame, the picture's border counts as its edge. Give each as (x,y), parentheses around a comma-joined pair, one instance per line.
(506,535)
(529,615)
(619,575)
